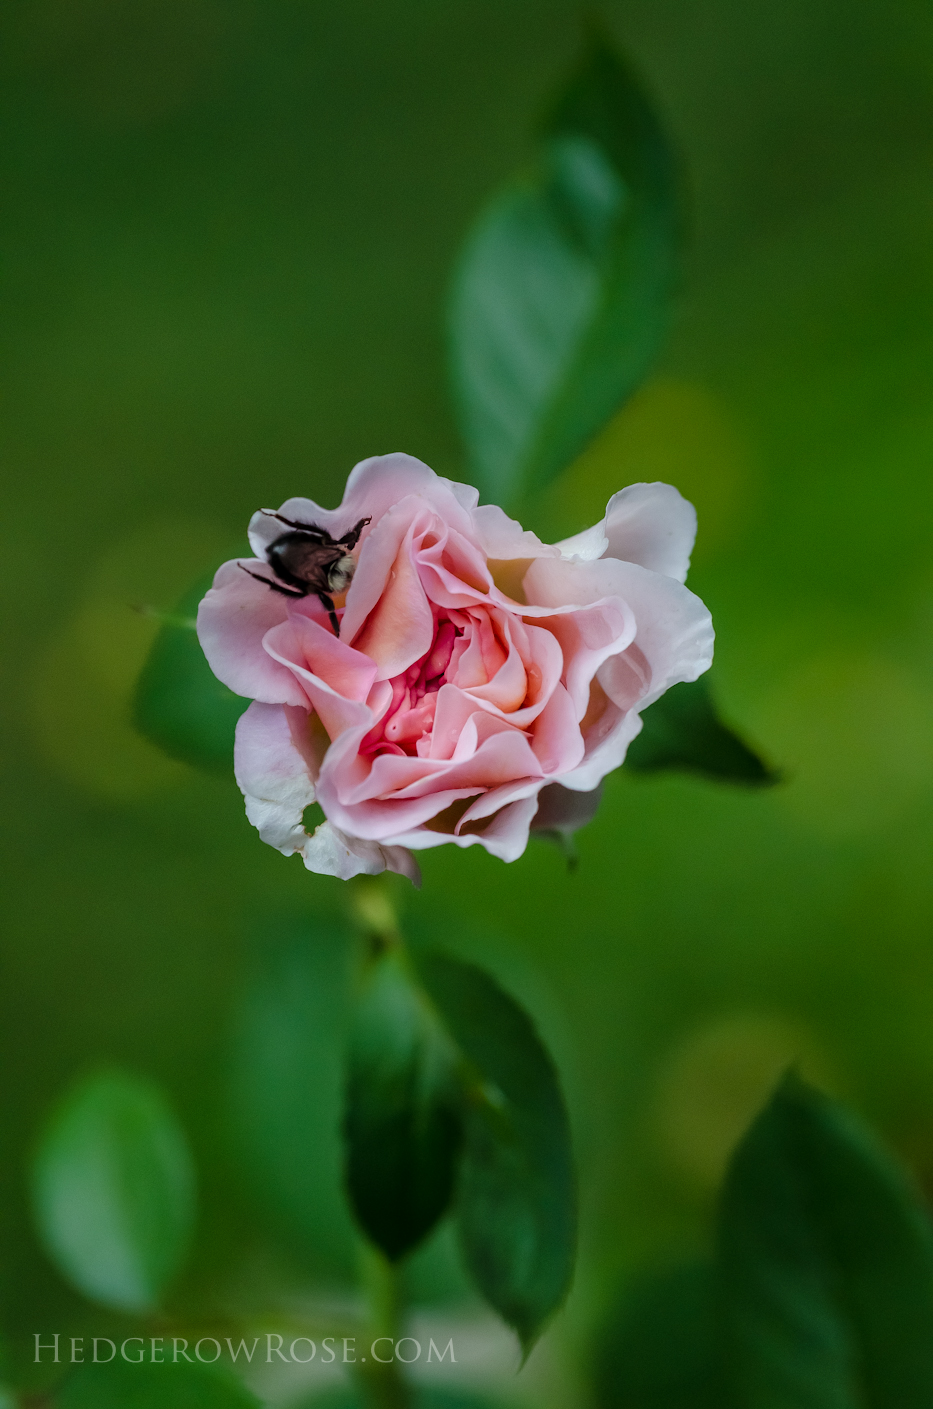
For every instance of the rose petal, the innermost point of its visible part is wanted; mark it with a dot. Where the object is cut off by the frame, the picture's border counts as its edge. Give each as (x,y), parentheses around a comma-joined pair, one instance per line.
(233,619)
(388,616)
(331,852)
(273,776)
(648,524)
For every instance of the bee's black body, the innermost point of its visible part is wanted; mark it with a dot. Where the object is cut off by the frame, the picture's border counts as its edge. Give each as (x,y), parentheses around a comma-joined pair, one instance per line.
(307,559)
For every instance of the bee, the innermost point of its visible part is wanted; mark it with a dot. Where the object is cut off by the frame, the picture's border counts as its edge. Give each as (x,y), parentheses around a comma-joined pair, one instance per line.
(306,559)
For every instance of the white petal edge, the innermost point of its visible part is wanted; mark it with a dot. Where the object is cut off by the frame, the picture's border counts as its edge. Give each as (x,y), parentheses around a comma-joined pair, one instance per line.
(652,525)
(331,852)
(272,776)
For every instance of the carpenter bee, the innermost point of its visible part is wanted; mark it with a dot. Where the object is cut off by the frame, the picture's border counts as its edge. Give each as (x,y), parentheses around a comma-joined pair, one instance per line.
(307,559)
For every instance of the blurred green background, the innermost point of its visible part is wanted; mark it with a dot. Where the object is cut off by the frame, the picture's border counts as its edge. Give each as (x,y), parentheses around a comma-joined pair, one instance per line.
(227,233)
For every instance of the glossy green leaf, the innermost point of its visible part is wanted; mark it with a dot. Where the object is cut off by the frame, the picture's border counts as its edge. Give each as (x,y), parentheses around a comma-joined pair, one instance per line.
(179,702)
(682,731)
(113,1190)
(517,1197)
(660,1348)
(562,296)
(826,1257)
(403,1121)
(120,1385)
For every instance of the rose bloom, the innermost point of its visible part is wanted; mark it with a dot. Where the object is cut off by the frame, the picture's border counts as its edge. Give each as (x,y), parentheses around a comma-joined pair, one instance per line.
(481,679)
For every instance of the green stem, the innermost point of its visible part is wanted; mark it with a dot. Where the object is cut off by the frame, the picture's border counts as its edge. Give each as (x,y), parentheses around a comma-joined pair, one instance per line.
(380,1376)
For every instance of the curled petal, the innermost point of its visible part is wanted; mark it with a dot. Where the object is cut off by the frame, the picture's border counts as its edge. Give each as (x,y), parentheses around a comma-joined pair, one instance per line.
(273,776)
(233,620)
(331,852)
(654,526)
(648,524)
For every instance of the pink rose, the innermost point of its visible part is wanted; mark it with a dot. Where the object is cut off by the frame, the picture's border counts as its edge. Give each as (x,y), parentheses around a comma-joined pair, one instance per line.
(474,666)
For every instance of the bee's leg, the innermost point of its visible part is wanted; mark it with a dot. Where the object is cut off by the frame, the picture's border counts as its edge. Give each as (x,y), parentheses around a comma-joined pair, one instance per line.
(276,586)
(310,528)
(350,540)
(328,604)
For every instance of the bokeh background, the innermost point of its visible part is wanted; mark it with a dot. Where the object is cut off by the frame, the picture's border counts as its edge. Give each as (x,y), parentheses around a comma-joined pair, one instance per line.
(226,239)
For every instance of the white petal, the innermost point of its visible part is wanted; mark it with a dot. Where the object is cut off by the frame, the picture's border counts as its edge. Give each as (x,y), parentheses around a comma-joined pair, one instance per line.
(331,852)
(588,545)
(652,525)
(273,776)
(674,634)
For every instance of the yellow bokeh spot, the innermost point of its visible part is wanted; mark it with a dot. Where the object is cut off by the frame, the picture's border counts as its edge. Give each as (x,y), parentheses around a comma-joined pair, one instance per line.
(712,1084)
(83,680)
(674,431)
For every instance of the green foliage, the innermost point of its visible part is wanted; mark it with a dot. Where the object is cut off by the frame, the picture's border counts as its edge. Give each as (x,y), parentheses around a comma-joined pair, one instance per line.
(659,1349)
(826,1259)
(403,1124)
(179,702)
(562,295)
(516,1199)
(289,1030)
(113,1190)
(419,1397)
(118,1385)
(682,731)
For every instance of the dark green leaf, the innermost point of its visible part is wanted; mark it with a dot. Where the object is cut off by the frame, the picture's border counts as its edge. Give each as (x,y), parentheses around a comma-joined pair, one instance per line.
(682,731)
(660,1350)
(120,1385)
(403,1123)
(113,1190)
(179,703)
(826,1258)
(562,295)
(517,1197)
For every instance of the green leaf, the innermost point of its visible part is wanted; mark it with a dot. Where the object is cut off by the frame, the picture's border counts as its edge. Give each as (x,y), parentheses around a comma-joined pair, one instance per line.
(120,1385)
(113,1190)
(179,703)
(660,1350)
(826,1256)
(562,295)
(403,1124)
(682,731)
(517,1197)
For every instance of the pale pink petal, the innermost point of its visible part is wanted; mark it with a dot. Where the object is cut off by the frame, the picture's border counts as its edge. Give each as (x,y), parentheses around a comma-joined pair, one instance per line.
(652,525)
(285,644)
(606,743)
(388,616)
(376,485)
(674,632)
(233,619)
(648,524)
(502,538)
(672,627)
(557,742)
(504,836)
